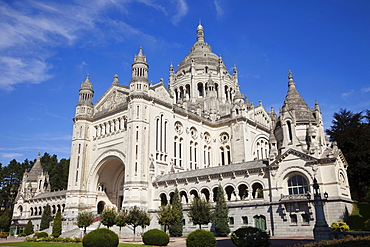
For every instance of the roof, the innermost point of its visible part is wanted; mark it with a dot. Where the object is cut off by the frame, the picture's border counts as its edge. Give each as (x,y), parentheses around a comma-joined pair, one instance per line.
(59,193)
(35,171)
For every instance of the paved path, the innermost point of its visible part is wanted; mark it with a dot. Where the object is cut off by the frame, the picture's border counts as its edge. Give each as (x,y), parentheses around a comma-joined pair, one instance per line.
(181,242)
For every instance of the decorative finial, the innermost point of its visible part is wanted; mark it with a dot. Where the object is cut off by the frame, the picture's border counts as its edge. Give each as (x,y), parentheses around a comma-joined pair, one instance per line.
(87,77)
(115,79)
(141,51)
(38,154)
(290,75)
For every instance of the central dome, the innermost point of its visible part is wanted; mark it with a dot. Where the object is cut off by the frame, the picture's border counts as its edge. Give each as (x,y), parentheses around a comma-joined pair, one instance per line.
(201,56)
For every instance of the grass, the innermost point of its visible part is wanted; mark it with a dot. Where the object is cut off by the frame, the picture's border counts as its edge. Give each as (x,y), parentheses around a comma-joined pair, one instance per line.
(346,242)
(52,244)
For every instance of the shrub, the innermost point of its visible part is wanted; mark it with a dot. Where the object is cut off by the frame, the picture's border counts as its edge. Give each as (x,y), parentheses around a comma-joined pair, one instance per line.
(29,228)
(22,234)
(339,226)
(101,237)
(3,235)
(201,238)
(156,237)
(250,237)
(41,234)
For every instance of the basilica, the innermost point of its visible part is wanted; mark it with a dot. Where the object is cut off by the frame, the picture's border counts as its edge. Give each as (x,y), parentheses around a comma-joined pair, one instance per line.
(138,142)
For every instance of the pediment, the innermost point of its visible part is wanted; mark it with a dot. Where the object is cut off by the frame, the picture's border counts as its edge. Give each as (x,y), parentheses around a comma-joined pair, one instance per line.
(260,115)
(294,153)
(114,96)
(159,91)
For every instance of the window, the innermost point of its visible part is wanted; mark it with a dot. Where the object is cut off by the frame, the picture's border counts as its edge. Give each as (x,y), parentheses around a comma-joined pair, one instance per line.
(305,218)
(231,219)
(245,220)
(297,185)
(293,219)
(260,222)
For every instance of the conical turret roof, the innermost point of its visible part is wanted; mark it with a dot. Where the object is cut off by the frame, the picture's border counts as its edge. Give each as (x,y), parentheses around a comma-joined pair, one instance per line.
(36,170)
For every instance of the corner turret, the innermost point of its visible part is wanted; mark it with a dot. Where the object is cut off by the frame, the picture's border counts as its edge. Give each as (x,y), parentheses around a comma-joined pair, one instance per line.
(139,79)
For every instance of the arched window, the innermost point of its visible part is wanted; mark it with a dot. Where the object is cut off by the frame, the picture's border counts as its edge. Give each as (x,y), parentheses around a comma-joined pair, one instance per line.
(257,191)
(260,222)
(298,185)
(290,130)
(163,199)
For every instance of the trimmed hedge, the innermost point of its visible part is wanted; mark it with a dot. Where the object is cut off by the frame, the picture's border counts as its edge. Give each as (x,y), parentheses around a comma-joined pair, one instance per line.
(250,237)
(101,237)
(41,234)
(201,238)
(156,237)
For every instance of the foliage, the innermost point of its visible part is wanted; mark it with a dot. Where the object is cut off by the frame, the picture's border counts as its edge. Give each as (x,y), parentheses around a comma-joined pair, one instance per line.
(57,226)
(359,215)
(166,216)
(58,171)
(200,212)
(10,180)
(46,218)
(108,217)
(41,234)
(250,237)
(339,226)
(22,234)
(5,220)
(176,227)
(101,237)
(345,242)
(156,237)
(201,238)
(84,219)
(137,217)
(50,239)
(29,228)
(121,219)
(351,131)
(221,214)
(4,235)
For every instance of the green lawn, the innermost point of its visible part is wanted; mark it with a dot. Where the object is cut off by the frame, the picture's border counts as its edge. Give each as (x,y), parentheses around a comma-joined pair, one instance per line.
(43,244)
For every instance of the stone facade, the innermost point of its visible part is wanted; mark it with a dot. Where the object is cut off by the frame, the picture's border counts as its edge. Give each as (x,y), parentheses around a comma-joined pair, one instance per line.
(138,143)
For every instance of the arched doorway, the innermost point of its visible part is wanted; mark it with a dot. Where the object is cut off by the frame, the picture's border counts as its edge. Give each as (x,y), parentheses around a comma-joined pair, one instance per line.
(110,180)
(100,207)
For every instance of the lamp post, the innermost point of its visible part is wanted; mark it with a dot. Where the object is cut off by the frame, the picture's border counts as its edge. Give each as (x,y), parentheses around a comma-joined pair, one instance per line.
(321,231)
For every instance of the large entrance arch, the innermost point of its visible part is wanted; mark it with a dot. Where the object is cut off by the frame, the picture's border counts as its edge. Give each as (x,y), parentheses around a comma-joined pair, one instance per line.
(109,181)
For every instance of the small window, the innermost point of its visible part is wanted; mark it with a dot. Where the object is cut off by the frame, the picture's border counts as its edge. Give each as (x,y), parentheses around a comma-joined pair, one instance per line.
(231,219)
(305,218)
(293,219)
(245,220)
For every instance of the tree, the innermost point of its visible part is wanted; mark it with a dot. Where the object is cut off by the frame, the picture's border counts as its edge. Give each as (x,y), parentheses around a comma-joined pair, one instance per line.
(351,132)
(136,218)
(108,217)
(57,226)
(165,216)
(84,220)
(5,220)
(200,212)
(221,214)
(46,218)
(29,228)
(121,219)
(176,227)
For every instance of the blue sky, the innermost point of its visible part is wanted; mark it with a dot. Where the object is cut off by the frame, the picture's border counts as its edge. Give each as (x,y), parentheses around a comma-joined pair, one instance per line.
(48,47)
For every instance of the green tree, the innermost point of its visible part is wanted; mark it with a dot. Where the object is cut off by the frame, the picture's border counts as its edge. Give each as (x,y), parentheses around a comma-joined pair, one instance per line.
(200,212)
(57,226)
(108,216)
(58,171)
(176,227)
(46,218)
(84,220)
(221,214)
(165,216)
(121,219)
(351,132)
(5,220)
(136,218)
(29,228)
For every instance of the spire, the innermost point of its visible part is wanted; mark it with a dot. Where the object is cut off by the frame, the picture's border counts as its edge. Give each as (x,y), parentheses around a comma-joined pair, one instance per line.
(293,100)
(36,170)
(140,67)
(200,33)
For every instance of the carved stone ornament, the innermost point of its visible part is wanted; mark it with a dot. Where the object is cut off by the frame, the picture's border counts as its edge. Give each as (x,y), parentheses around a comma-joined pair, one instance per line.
(179,128)
(224,137)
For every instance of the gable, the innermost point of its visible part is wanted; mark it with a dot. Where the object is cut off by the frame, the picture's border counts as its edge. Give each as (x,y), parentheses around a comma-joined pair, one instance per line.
(112,97)
(292,154)
(160,92)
